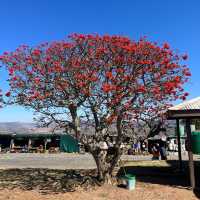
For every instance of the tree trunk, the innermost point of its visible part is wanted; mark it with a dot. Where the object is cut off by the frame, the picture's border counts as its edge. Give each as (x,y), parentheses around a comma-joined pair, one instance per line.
(75,120)
(105,164)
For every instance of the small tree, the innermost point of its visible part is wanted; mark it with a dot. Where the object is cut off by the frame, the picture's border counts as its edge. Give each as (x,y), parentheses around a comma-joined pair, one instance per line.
(102,81)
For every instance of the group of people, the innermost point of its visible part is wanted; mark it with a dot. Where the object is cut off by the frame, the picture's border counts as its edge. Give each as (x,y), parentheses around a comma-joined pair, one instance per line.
(158,151)
(138,147)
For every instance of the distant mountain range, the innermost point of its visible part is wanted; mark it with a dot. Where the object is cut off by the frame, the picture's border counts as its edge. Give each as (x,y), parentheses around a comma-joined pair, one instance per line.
(21,127)
(26,128)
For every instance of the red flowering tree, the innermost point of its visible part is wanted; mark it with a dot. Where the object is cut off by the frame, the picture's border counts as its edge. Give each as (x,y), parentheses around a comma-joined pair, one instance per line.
(100,81)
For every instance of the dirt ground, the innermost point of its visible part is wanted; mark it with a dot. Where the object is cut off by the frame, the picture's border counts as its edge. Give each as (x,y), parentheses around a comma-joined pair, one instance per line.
(142,192)
(154,181)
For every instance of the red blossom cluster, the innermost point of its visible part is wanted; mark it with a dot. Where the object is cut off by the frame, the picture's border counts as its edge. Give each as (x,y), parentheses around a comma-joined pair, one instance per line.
(116,69)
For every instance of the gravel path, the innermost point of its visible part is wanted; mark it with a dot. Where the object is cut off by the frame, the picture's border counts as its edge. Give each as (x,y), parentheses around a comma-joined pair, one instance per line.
(59,161)
(51,161)
(54,161)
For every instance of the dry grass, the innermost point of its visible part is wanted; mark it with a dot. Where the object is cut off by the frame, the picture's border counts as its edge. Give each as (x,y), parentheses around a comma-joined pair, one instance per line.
(107,192)
(152,163)
(155,181)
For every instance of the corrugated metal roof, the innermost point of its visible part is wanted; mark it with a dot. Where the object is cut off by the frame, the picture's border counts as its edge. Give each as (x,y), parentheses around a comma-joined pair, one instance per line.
(193,104)
(45,134)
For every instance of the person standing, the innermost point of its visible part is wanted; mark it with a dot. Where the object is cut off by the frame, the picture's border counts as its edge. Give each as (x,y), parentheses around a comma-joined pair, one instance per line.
(143,146)
(139,147)
(156,151)
(163,152)
(136,147)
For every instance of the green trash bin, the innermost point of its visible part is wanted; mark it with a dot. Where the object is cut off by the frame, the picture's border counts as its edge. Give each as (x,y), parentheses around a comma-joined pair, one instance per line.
(130,181)
(196,142)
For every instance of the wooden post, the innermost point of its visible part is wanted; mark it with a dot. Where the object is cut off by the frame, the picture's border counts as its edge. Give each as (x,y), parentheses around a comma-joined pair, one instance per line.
(190,154)
(179,145)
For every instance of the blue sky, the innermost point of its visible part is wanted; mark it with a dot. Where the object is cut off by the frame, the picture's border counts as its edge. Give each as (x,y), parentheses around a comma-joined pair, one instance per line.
(34,21)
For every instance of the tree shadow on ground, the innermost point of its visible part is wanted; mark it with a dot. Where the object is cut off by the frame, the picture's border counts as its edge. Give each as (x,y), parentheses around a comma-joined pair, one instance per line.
(168,174)
(47,180)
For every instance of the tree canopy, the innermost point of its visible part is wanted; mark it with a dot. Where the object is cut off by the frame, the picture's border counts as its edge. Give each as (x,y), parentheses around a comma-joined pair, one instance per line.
(96,79)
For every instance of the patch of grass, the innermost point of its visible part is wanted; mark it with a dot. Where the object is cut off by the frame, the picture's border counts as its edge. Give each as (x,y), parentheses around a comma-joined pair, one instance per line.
(149,163)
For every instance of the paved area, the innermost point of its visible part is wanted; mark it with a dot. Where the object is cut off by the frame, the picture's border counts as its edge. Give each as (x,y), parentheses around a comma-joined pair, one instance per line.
(51,161)
(62,160)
